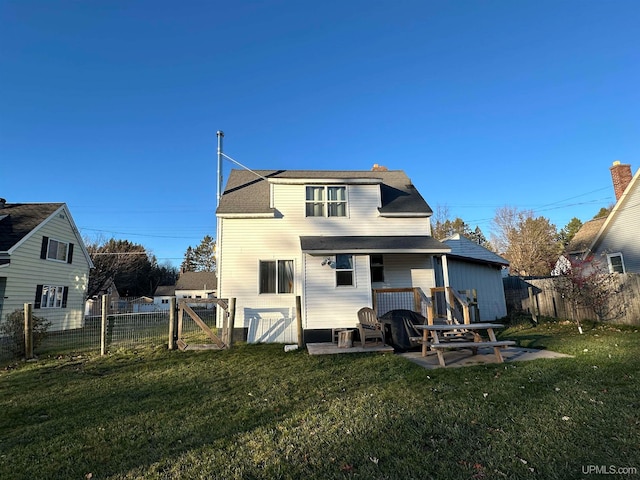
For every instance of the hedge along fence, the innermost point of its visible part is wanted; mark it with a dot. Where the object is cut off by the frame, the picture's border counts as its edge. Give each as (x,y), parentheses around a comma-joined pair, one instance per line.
(543,296)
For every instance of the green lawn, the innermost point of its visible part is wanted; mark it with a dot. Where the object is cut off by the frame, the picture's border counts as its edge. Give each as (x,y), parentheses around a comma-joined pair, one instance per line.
(257,412)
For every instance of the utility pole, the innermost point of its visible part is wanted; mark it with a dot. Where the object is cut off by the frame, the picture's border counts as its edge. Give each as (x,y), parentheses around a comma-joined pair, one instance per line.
(220,135)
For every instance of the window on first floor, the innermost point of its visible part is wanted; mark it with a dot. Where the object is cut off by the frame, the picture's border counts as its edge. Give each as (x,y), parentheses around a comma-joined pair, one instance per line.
(51,296)
(165,300)
(276,276)
(377,268)
(616,263)
(344,270)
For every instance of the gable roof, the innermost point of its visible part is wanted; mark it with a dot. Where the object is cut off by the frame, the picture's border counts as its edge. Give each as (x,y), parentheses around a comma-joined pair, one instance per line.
(19,219)
(165,291)
(248,193)
(462,247)
(197,281)
(619,206)
(585,236)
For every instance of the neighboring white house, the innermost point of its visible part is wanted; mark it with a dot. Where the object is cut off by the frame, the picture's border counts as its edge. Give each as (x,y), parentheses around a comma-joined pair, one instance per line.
(611,241)
(329,237)
(43,261)
(189,285)
(473,267)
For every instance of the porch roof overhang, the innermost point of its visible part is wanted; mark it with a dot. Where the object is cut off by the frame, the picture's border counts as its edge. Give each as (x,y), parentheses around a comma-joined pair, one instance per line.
(321,245)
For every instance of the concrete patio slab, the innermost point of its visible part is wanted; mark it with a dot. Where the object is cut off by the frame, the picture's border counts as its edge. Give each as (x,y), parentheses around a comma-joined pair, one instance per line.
(329,348)
(464,358)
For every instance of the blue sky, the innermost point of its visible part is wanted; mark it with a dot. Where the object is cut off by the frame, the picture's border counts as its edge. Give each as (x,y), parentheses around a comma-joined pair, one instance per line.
(113,106)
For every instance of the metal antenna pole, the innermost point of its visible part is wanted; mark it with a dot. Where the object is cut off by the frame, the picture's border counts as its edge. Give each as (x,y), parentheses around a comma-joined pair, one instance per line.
(220,135)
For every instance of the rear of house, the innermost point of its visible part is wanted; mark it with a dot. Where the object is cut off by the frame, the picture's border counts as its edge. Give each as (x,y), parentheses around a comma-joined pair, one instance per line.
(329,237)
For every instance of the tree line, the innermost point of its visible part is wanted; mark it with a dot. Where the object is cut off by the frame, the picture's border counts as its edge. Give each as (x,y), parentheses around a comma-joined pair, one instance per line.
(531,243)
(135,271)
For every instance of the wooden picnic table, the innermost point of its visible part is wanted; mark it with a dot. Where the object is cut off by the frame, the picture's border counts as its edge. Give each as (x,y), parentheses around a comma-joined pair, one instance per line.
(448,341)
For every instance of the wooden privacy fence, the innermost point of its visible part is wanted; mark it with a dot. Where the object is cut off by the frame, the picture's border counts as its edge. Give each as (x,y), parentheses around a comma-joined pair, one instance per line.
(542,296)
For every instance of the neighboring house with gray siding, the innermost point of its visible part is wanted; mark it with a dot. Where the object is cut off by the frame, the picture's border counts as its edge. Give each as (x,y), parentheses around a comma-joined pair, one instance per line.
(613,241)
(329,237)
(43,261)
(473,267)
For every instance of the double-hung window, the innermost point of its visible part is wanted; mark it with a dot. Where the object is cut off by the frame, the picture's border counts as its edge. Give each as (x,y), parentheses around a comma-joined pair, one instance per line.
(276,276)
(344,270)
(616,263)
(325,201)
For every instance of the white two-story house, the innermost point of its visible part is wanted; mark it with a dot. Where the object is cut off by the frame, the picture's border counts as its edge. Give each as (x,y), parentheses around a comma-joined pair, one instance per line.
(329,237)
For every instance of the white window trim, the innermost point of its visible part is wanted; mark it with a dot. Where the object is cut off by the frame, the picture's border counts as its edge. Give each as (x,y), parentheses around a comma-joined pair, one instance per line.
(55,300)
(616,254)
(66,252)
(352,270)
(276,261)
(326,202)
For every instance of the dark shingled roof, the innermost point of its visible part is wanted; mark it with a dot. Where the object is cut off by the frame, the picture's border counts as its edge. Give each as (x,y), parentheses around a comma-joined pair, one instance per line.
(584,237)
(197,281)
(246,193)
(372,244)
(165,291)
(20,219)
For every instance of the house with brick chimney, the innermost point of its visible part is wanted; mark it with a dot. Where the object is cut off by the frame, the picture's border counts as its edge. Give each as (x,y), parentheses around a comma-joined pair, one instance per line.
(613,242)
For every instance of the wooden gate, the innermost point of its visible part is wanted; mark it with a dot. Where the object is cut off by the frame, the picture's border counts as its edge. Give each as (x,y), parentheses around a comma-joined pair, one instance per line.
(218,343)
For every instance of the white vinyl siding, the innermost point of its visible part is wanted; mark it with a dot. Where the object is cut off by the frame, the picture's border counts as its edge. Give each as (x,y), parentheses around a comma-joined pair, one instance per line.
(328,306)
(27,270)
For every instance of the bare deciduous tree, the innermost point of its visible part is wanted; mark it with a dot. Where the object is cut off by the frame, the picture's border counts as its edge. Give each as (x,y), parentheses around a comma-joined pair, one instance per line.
(529,243)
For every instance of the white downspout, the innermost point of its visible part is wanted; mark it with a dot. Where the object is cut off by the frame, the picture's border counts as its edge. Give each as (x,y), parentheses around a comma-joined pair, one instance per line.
(445,277)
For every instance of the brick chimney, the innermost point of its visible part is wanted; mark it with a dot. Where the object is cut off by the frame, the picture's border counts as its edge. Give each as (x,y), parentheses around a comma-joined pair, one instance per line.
(621,176)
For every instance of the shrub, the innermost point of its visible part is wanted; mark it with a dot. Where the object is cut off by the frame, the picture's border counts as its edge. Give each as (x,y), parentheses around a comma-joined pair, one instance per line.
(13,329)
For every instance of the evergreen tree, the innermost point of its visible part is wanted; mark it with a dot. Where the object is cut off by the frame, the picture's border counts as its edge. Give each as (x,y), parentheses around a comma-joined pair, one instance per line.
(202,258)
(569,231)
(189,262)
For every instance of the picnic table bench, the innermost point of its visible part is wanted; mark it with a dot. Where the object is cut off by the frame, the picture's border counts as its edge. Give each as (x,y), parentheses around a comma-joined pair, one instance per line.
(452,338)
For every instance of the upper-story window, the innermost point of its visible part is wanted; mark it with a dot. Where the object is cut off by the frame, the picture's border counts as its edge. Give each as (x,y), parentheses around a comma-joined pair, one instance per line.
(56,250)
(325,201)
